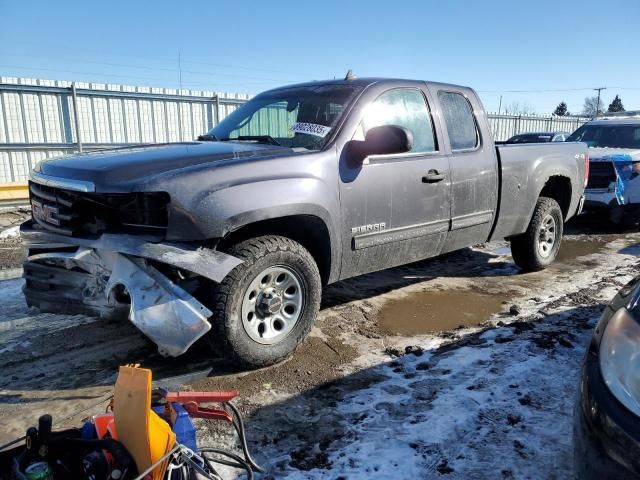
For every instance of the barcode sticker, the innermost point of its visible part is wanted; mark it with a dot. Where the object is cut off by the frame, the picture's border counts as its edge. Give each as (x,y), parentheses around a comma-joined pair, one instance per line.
(310,128)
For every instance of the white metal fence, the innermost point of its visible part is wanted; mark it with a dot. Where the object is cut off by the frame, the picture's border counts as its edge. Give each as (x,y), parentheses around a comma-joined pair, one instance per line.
(44,118)
(506,126)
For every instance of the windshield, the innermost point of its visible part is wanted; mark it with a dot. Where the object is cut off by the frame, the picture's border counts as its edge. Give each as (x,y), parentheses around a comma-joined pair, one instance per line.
(612,136)
(301,118)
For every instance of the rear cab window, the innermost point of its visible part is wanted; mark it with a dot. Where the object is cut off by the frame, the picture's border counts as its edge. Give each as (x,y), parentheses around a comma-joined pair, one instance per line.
(460,121)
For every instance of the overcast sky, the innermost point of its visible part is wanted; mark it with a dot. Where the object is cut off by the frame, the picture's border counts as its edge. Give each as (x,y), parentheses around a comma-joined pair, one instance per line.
(532,52)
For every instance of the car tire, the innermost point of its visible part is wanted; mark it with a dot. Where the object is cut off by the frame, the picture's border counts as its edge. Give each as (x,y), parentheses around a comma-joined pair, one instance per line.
(623,218)
(246,321)
(538,247)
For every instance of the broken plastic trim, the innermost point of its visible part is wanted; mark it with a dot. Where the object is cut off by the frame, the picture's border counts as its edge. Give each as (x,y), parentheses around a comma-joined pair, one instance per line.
(202,261)
(623,168)
(623,165)
(164,312)
(167,314)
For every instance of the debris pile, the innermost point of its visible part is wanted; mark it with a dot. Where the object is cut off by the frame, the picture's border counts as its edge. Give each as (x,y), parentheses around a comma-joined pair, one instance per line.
(145,434)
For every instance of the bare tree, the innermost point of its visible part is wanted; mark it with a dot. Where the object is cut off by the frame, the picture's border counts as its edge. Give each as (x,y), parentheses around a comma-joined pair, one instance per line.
(591,106)
(517,108)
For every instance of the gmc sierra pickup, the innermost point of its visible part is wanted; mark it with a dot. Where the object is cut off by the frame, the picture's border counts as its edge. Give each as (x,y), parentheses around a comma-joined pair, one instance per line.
(300,187)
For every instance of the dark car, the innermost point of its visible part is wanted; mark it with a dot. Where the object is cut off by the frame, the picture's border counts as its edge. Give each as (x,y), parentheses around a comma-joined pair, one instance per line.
(607,417)
(538,137)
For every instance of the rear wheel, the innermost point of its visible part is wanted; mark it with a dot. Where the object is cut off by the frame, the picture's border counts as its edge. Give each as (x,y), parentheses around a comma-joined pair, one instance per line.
(538,247)
(267,305)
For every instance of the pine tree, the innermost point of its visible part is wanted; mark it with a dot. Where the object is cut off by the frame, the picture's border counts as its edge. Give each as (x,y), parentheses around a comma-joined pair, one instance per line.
(616,105)
(561,110)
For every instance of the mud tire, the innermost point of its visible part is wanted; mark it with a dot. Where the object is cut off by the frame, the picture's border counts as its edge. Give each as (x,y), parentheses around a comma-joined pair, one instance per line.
(258,254)
(525,247)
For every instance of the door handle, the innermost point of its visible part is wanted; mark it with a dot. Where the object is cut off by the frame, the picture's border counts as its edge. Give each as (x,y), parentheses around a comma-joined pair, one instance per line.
(433,176)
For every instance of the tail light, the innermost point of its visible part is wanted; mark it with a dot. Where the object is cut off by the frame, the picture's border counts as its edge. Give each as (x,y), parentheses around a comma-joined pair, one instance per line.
(586,169)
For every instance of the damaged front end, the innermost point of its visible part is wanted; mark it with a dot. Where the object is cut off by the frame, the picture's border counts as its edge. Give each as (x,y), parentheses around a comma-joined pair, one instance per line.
(614,185)
(76,265)
(612,180)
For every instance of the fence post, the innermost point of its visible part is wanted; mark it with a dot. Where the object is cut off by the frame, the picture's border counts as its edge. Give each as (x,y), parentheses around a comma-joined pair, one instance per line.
(216,102)
(74,99)
(210,115)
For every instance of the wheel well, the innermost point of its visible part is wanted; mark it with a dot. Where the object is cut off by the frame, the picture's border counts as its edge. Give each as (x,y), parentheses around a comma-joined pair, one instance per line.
(558,188)
(309,231)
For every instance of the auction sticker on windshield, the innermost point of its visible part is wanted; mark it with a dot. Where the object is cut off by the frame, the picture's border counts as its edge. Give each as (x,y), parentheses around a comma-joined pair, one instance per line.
(310,128)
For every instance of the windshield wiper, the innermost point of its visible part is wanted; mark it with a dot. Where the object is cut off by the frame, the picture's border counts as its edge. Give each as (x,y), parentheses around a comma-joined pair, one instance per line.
(268,139)
(207,137)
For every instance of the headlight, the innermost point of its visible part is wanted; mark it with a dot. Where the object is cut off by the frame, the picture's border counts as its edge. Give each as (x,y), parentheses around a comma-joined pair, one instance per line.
(620,359)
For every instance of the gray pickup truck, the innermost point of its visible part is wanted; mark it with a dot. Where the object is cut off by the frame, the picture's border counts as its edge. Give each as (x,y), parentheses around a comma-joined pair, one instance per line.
(300,187)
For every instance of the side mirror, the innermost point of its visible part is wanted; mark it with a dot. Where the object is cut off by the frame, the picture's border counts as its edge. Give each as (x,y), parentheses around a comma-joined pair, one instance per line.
(382,140)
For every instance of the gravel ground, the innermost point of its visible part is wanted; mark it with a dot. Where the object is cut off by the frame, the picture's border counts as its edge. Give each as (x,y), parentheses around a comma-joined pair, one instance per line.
(486,390)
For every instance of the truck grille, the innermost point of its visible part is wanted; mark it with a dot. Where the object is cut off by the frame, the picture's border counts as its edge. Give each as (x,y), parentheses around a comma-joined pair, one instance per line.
(601,174)
(84,214)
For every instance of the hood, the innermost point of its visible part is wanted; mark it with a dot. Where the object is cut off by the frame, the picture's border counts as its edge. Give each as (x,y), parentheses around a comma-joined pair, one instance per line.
(613,154)
(118,169)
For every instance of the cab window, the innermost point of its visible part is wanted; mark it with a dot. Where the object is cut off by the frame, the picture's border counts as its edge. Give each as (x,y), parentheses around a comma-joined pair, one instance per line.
(461,124)
(404,107)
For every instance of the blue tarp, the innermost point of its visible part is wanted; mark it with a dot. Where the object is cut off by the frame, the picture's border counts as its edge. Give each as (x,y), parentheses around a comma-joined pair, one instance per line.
(623,165)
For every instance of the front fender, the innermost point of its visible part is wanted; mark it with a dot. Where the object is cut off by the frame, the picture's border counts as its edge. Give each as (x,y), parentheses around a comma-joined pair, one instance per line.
(229,209)
(215,214)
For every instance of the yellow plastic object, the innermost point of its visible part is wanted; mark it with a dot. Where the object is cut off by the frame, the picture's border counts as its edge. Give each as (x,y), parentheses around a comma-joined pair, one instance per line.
(144,434)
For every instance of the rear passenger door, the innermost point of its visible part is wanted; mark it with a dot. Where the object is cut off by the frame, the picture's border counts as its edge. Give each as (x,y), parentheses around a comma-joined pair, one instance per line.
(395,207)
(474,169)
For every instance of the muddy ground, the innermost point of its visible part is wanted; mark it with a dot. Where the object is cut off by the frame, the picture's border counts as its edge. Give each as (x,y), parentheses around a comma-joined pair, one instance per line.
(486,390)
(11,254)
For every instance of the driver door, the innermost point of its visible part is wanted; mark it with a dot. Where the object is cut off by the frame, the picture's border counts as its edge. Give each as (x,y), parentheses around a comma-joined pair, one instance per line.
(396,208)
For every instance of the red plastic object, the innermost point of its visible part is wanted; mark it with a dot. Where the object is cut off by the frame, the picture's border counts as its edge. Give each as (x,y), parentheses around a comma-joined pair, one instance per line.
(191,402)
(105,425)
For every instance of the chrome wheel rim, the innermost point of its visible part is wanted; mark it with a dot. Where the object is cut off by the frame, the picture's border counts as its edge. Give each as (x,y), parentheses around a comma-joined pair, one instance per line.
(272,304)
(547,236)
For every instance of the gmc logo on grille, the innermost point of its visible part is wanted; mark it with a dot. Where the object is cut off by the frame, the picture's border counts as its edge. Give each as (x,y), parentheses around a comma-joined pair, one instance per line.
(44,213)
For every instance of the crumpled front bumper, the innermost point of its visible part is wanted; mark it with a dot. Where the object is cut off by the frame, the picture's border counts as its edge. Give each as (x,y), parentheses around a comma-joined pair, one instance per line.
(623,190)
(79,275)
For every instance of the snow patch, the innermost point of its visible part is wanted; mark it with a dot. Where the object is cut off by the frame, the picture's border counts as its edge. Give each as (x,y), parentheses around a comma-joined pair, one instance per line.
(13,232)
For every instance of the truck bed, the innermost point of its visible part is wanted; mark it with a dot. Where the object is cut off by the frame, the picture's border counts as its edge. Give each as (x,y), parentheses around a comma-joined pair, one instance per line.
(523,169)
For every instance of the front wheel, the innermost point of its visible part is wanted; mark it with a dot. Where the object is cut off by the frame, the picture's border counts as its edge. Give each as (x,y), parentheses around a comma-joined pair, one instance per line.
(267,305)
(537,248)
